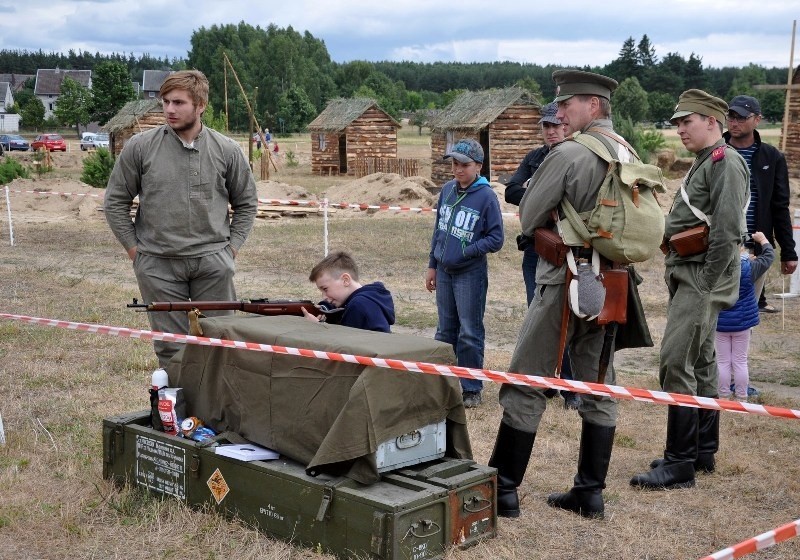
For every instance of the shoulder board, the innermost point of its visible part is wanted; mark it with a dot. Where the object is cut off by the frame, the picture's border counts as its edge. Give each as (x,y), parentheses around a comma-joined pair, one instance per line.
(718,154)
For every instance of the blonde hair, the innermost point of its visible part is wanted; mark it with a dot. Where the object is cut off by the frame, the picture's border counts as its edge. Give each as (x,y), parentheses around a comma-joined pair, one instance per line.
(193,81)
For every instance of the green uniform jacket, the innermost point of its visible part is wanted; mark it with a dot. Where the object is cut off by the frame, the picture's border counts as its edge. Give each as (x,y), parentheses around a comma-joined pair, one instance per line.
(571,170)
(720,189)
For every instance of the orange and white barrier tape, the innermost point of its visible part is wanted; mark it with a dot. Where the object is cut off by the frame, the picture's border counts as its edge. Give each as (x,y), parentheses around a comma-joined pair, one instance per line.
(59,193)
(353,206)
(615,391)
(280,202)
(762,541)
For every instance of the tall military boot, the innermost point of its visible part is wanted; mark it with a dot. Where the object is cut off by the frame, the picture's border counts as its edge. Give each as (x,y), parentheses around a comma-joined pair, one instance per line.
(586,496)
(677,468)
(707,441)
(512,451)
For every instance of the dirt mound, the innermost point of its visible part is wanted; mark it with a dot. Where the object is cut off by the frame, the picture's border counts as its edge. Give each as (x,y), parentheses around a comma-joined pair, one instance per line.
(385,188)
(70,200)
(282,191)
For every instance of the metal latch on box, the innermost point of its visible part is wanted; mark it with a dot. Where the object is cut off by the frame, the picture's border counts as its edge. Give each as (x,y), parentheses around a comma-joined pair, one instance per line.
(327,498)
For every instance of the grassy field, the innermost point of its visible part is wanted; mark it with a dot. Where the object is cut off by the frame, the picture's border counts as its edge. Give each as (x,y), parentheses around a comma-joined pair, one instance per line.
(57,385)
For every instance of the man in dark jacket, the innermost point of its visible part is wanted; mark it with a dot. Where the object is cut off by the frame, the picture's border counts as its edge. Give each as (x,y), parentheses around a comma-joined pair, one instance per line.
(768,211)
(553,132)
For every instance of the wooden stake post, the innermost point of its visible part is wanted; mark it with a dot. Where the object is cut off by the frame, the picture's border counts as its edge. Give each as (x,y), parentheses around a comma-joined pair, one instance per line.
(255,120)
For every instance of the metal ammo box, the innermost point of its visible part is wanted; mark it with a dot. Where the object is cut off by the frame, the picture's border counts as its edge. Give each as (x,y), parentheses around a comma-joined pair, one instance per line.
(417,446)
(413,514)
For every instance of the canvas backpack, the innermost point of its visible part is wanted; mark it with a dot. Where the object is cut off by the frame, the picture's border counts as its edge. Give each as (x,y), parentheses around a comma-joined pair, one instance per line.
(627,223)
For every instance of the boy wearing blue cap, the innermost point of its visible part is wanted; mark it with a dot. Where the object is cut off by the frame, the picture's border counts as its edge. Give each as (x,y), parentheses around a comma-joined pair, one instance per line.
(468,226)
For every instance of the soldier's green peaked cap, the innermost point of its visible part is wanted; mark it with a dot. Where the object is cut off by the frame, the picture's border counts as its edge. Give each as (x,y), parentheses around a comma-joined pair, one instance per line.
(578,82)
(702,103)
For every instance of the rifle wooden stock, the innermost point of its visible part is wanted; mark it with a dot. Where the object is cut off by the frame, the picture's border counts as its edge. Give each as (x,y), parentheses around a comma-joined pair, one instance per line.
(257,306)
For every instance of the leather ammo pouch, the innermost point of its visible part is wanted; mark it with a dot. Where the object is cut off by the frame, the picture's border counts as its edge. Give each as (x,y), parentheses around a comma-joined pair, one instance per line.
(690,242)
(549,245)
(615,307)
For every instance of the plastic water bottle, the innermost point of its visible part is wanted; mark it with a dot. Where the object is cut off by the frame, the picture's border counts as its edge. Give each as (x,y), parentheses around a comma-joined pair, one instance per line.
(159,381)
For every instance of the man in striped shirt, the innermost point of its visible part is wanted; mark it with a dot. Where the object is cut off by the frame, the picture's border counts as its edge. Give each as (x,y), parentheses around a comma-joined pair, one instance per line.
(768,210)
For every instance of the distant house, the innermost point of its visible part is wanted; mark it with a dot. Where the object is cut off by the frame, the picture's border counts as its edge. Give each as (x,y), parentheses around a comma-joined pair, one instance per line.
(504,121)
(6,96)
(137,89)
(9,122)
(136,116)
(48,85)
(151,82)
(348,129)
(17,81)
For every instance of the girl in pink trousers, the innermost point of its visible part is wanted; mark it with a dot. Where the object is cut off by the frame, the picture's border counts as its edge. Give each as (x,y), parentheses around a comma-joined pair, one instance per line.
(735,324)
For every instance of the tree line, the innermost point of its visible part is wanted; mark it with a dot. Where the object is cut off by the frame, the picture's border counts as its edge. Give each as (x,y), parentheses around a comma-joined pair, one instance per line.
(289,77)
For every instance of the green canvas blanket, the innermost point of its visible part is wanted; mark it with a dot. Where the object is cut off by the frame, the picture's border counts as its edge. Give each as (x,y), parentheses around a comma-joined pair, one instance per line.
(330,416)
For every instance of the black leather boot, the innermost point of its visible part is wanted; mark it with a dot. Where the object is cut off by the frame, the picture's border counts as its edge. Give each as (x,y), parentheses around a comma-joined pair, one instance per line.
(707,442)
(586,496)
(512,451)
(677,468)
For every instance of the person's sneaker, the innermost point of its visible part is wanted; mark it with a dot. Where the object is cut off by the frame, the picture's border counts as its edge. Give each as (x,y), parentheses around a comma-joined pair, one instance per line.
(767,309)
(471,399)
(752,391)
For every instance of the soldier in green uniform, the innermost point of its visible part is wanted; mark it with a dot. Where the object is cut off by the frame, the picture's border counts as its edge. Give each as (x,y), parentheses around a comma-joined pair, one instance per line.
(573,171)
(714,194)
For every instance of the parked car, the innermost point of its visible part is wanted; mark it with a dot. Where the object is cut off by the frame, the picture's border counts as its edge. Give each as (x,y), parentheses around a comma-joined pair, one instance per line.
(50,142)
(12,142)
(664,124)
(94,140)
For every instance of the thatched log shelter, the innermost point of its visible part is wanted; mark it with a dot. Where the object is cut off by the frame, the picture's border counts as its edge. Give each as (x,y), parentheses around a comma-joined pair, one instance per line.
(351,129)
(136,116)
(504,121)
(792,152)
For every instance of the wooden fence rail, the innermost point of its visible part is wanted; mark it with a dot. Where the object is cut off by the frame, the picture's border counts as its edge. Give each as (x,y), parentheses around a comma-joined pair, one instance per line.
(405,167)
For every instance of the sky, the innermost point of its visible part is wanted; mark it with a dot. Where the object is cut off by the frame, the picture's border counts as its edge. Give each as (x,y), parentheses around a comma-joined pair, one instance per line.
(565,33)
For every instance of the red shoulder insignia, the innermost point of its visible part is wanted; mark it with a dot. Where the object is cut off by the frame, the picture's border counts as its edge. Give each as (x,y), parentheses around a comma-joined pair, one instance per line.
(718,154)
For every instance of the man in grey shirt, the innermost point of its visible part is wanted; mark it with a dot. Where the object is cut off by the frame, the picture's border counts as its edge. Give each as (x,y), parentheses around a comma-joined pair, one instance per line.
(182,243)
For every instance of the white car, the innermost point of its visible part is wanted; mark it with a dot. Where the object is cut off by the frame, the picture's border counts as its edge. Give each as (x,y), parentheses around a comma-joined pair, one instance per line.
(94,140)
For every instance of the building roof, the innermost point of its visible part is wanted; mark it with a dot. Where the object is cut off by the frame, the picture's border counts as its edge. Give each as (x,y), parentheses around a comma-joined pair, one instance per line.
(4,87)
(130,113)
(152,79)
(340,113)
(16,80)
(48,81)
(475,110)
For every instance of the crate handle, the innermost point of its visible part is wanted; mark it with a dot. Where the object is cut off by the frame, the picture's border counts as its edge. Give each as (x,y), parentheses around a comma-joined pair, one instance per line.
(409,440)
(425,524)
(483,502)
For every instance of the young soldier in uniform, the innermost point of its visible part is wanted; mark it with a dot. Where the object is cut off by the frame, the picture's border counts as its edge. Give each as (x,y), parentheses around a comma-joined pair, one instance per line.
(573,171)
(182,243)
(701,283)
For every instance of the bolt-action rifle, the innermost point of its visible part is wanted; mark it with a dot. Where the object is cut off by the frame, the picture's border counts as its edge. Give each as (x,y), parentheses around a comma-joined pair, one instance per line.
(262,306)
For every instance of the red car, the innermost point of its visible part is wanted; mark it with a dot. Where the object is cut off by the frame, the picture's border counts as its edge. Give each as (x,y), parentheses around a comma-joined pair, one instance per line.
(50,142)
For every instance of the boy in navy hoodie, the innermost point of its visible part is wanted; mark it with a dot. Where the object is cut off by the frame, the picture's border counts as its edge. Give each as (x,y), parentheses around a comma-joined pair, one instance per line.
(368,307)
(469,225)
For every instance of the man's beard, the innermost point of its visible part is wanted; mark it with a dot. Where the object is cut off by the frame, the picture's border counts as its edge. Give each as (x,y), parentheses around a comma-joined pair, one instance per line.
(187,126)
